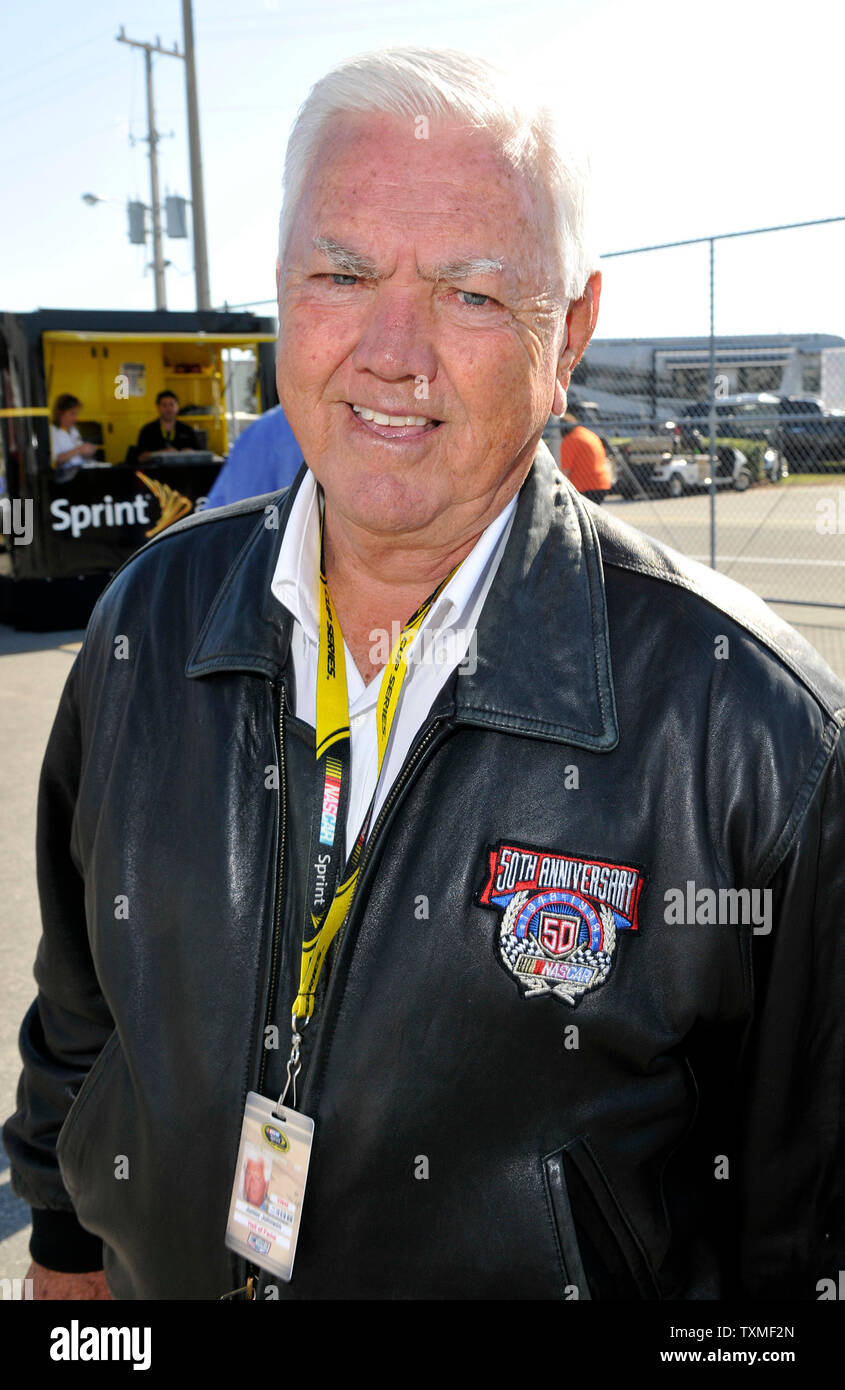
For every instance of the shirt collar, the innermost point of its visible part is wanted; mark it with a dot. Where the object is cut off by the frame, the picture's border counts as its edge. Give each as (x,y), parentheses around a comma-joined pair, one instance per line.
(454,600)
(544,666)
(294,582)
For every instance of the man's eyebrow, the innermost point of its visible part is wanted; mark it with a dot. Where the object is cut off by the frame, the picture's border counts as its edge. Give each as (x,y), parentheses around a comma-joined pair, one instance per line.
(463,270)
(350,262)
(347,261)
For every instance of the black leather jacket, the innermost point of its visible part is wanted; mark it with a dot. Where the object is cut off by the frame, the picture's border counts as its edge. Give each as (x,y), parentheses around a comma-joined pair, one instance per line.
(671,1130)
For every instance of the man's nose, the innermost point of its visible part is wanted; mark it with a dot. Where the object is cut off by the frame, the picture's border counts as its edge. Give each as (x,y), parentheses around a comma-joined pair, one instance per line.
(397,340)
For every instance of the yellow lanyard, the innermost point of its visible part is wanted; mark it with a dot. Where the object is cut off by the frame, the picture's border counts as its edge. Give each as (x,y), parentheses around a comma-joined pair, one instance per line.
(333,734)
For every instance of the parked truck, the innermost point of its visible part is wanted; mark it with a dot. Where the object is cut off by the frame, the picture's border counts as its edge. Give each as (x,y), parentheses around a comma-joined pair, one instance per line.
(808,434)
(798,428)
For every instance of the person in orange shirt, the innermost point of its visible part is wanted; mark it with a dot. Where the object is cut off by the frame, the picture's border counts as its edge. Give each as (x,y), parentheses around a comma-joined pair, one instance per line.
(584,461)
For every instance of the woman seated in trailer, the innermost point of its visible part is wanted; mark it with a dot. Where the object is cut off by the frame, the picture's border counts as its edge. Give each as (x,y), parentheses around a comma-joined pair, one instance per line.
(66,444)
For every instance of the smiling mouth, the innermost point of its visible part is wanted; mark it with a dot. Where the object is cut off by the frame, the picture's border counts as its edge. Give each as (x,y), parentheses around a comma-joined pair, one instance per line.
(393,426)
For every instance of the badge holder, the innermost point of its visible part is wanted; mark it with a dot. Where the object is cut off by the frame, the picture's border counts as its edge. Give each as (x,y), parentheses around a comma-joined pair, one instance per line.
(270,1175)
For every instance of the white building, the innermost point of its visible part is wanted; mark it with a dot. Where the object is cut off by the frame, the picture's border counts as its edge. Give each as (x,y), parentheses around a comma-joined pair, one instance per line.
(656,377)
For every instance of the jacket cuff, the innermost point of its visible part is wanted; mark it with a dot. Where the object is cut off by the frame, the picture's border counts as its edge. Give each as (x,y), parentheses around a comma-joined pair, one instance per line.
(59,1242)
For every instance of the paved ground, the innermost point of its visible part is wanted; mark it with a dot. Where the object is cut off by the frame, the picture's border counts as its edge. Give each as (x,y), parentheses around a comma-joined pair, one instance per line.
(33,667)
(768,539)
(773,539)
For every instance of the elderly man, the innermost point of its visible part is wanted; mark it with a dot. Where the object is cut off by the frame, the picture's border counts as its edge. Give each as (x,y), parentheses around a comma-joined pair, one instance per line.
(513,972)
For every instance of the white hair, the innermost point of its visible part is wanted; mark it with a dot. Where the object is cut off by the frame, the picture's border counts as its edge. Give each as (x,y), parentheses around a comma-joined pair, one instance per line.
(442,84)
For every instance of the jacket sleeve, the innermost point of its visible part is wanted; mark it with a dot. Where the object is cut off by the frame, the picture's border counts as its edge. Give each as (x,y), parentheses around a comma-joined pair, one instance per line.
(791,1135)
(68,1024)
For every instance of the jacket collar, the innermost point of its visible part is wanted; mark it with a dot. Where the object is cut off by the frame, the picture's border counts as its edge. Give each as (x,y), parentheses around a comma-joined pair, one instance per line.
(542,651)
(246,628)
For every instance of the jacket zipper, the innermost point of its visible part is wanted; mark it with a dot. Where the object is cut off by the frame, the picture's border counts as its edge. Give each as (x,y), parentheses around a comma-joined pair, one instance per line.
(252,1272)
(280,865)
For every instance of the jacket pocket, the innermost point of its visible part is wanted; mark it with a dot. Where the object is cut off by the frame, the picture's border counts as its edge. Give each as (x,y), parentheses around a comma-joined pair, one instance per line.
(573,1269)
(68,1141)
(592,1223)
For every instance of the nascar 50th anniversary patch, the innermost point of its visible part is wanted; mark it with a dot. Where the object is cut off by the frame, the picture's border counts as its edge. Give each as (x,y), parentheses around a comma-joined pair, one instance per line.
(561,916)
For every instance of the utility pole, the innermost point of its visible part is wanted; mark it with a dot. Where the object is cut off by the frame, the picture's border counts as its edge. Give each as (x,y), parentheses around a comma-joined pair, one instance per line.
(152,139)
(158,249)
(197,195)
(195,154)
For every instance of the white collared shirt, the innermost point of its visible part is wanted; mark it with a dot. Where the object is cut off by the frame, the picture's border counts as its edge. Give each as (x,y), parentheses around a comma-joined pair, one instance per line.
(445,639)
(62,440)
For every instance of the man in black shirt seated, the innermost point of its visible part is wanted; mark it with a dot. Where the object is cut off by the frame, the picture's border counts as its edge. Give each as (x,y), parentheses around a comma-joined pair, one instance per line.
(166,433)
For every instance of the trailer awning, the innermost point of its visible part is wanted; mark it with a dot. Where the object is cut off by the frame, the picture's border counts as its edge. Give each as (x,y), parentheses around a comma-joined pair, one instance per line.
(78,335)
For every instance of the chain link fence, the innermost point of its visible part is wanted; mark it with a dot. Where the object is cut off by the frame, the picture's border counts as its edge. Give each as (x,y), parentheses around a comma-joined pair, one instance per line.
(731,449)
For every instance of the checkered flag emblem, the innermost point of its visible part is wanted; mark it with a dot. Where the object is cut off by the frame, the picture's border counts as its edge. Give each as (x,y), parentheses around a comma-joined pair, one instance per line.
(569,978)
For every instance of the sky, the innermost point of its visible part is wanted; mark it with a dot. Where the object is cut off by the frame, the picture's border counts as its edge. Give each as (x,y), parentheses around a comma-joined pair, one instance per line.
(698,118)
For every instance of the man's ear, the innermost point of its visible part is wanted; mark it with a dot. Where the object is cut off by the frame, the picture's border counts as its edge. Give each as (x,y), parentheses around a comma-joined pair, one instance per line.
(278,277)
(580,322)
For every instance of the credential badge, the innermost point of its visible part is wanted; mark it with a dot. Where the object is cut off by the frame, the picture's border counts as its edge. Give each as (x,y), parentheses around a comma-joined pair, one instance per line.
(560,917)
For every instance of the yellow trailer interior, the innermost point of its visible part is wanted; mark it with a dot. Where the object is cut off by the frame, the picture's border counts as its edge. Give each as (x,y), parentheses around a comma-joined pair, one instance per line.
(117,376)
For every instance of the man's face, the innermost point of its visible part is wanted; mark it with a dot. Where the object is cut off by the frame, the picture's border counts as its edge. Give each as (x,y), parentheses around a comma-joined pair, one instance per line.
(407,331)
(168,407)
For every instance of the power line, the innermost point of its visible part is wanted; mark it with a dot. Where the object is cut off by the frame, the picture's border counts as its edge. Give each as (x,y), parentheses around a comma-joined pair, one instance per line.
(291,107)
(343,20)
(82,140)
(377,10)
(56,57)
(60,95)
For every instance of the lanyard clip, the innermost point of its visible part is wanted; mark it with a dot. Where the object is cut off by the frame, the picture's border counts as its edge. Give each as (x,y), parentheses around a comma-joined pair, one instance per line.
(294,1066)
